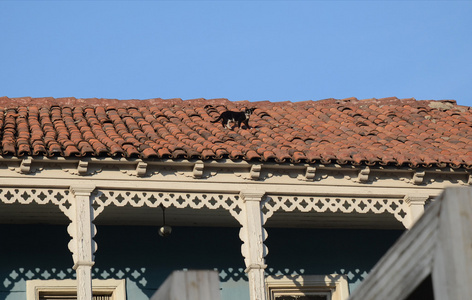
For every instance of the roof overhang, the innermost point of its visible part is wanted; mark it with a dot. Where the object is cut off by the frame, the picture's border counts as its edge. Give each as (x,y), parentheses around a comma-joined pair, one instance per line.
(296,195)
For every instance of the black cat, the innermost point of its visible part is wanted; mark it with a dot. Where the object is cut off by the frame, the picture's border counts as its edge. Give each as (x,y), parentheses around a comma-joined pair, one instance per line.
(237,117)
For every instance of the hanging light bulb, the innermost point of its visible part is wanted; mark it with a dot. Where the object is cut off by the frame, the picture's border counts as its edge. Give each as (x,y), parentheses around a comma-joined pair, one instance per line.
(165,230)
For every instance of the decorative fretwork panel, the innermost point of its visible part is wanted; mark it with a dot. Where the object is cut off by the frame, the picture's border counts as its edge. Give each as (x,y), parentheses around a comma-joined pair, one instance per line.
(230,202)
(59,197)
(102,198)
(396,207)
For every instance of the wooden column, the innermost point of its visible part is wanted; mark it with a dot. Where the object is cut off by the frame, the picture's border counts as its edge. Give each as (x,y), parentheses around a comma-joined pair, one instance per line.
(253,235)
(82,244)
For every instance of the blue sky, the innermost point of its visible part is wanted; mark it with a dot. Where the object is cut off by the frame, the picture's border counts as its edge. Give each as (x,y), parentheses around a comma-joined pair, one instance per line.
(240,50)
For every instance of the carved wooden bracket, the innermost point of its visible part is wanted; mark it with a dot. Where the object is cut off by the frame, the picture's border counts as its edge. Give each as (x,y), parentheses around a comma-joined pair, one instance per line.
(198,169)
(310,173)
(141,169)
(364,174)
(255,172)
(25,166)
(418,177)
(82,167)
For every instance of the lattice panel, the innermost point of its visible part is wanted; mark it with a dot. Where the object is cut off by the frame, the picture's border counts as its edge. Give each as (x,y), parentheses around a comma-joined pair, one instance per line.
(28,195)
(397,207)
(104,198)
(58,197)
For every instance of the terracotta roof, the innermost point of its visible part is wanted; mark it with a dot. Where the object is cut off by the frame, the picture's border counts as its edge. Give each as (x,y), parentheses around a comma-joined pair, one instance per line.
(387,131)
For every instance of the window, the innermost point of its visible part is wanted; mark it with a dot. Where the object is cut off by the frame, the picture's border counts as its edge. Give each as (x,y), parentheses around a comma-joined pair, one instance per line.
(303,297)
(307,287)
(109,289)
(71,295)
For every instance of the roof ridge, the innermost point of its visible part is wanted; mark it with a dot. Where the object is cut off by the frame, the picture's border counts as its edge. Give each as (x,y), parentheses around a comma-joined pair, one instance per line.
(7,102)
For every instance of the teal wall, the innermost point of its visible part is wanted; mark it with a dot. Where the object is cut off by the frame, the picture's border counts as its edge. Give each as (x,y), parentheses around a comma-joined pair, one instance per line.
(145,259)
(327,251)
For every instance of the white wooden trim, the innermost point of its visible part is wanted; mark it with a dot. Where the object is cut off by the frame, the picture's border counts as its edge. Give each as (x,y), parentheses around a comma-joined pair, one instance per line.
(116,286)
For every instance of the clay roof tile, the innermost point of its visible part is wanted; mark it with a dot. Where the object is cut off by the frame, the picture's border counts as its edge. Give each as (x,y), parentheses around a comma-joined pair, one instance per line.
(369,131)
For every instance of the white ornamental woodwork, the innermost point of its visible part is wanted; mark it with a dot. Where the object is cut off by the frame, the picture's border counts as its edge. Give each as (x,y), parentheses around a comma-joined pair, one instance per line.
(253,249)
(82,245)
(397,207)
(57,197)
(119,198)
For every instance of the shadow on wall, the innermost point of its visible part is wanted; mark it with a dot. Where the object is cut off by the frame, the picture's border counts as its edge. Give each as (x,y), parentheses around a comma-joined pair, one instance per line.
(137,254)
(14,281)
(144,259)
(350,252)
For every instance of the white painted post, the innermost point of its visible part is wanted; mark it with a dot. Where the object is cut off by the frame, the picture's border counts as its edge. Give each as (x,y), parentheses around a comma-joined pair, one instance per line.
(253,249)
(452,265)
(416,204)
(82,244)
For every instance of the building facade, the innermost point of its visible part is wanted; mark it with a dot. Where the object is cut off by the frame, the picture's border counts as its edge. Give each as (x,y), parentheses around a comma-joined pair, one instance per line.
(304,202)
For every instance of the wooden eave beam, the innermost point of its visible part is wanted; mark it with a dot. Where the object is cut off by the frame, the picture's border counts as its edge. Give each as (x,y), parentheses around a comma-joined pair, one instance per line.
(227,163)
